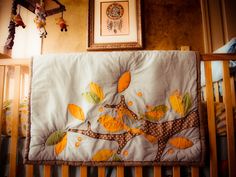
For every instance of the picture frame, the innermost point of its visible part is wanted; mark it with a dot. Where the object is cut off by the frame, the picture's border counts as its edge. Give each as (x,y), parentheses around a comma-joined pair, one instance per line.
(114,25)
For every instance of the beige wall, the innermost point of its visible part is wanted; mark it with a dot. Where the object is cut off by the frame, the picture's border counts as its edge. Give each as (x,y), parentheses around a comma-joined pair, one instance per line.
(5,9)
(166,24)
(27,41)
(75,38)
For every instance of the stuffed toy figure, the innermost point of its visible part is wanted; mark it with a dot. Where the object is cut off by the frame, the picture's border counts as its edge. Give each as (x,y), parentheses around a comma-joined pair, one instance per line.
(40,20)
(18,20)
(62,23)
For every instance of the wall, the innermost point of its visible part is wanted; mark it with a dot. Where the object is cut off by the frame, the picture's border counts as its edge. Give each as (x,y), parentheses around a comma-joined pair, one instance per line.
(5,10)
(75,38)
(27,41)
(167,25)
(172,23)
(222,15)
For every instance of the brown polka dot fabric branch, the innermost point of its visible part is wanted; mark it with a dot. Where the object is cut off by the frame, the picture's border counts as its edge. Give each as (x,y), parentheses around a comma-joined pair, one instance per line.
(121,139)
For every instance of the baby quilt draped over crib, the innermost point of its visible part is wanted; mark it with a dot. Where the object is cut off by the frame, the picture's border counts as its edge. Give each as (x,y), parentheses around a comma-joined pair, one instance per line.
(115,108)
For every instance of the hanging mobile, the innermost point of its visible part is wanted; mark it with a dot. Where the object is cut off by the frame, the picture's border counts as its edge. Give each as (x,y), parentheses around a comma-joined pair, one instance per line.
(40,19)
(62,23)
(18,20)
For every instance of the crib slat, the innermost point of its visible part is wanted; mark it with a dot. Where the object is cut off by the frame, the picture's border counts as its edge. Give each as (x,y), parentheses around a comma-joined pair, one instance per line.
(229,119)
(216,92)
(194,172)
(176,171)
(65,171)
(2,78)
(83,171)
(204,93)
(29,170)
(7,80)
(211,120)
(101,171)
(157,171)
(15,122)
(47,171)
(120,171)
(138,171)
(232,91)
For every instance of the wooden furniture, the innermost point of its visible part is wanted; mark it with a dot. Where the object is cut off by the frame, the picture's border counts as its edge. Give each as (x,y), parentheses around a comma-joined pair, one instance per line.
(229,100)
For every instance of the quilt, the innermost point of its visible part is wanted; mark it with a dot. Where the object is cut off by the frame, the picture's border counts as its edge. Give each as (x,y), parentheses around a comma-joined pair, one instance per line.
(115,108)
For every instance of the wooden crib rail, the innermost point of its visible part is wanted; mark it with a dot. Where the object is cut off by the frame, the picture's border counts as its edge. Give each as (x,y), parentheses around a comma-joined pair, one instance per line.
(228,101)
(218,56)
(14,62)
(206,58)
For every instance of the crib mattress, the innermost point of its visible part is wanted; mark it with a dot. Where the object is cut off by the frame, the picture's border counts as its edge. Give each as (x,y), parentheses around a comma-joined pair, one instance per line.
(115,108)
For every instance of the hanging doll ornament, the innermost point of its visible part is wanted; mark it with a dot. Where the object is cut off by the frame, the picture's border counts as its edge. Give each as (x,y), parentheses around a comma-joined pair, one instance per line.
(62,23)
(18,20)
(40,20)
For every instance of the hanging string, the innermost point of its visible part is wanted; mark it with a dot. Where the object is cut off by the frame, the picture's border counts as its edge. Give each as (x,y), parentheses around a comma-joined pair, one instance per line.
(19,8)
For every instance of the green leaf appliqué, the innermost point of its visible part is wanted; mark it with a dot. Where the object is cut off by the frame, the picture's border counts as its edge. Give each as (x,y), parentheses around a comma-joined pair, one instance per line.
(55,138)
(91,97)
(187,102)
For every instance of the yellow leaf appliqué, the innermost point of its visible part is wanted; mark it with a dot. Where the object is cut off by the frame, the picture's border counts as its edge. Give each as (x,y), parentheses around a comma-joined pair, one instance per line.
(156,113)
(95,88)
(103,155)
(59,147)
(76,111)
(180,142)
(124,81)
(176,103)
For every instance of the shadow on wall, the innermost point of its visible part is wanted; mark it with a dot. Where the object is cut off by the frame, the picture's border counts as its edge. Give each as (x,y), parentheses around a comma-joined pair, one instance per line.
(172,23)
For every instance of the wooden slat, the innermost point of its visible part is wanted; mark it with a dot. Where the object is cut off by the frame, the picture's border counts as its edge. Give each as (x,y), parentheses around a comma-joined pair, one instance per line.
(138,171)
(157,171)
(211,120)
(83,171)
(120,171)
(232,86)
(47,171)
(65,171)
(194,172)
(8,62)
(7,83)
(216,92)
(218,57)
(15,123)
(2,78)
(101,171)
(29,170)
(229,119)
(176,171)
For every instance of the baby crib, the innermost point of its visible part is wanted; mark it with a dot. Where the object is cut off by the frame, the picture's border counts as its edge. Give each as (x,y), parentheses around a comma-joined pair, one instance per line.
(21,77)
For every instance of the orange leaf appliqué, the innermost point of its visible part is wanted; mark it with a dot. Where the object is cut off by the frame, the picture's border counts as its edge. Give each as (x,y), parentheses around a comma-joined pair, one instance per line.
(76,111)
(180,142)
(103,155)
(124,81)
(59,147)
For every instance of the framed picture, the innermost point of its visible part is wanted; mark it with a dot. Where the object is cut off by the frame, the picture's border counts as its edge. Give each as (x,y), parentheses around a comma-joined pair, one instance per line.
(114,24)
